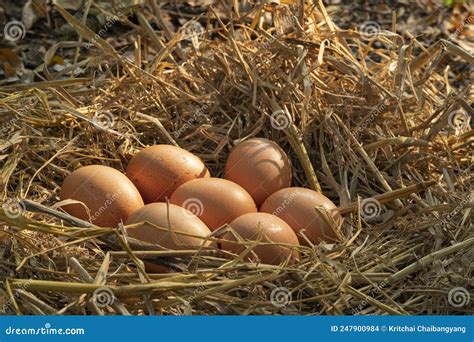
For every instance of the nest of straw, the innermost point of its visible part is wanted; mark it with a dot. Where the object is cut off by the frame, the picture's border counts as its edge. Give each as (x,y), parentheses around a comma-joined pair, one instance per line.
(360,118)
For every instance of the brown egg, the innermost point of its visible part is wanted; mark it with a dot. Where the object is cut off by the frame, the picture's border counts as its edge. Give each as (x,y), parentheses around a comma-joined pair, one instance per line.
(173,218)
(271,229)
(108,194)
(151,267)
(260,166)
(216,201)
(296,206)
(157,171)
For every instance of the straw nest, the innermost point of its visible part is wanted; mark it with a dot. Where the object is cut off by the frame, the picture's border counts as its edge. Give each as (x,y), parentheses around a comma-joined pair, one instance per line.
(367,120)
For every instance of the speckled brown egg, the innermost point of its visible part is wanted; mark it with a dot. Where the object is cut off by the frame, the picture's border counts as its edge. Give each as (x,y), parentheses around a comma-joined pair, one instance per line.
(265,228)
(172,218)
(296,206)
(216,201)
(157,171)
(108,194)
(260,166)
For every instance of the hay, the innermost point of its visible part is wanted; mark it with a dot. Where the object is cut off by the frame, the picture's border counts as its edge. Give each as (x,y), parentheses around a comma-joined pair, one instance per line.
(366,121)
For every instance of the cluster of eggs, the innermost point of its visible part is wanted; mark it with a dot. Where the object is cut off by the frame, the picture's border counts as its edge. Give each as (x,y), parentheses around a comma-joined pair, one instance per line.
(172,191)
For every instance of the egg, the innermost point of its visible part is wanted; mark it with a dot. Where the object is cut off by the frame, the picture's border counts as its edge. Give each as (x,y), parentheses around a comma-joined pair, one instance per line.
(272,230)
(151,267)
(157,171)
(216,201)
(174,219)
(260,166)
(296,206)
(110,197)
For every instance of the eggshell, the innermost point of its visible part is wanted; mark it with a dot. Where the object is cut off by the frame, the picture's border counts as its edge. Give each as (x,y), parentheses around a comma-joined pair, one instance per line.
(296,206)
(271,228)
(216,201)
(157,171)
(260,166)
(174,219)
(108,194)
(151,267)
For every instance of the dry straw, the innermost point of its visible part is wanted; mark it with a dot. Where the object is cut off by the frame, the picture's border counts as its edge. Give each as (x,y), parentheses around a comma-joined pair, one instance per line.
(367,121)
